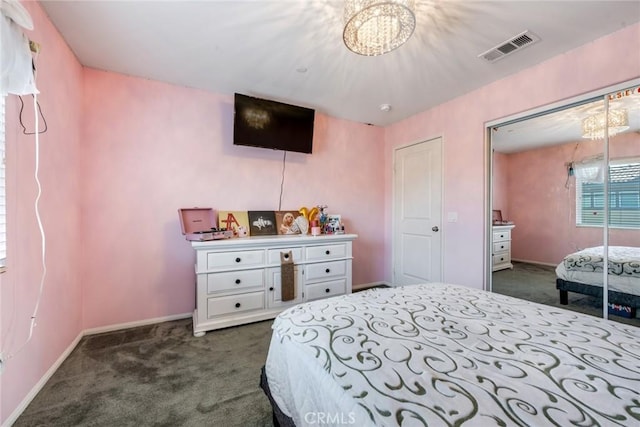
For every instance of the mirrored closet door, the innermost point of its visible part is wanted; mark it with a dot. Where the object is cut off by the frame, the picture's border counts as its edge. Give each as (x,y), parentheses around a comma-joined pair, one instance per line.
(548,201)
(623,205)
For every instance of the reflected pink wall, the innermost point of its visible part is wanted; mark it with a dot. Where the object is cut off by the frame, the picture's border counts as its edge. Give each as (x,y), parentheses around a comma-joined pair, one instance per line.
(151,148)
(59,320)
(461,123)
(500,181)
(543,208)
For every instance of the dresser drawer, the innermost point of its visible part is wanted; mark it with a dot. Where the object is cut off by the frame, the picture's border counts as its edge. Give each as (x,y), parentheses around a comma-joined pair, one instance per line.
(326,270)
(325,289)
(317,253)
(237,259)
(233,280)
(233,304)
(273,255)
(501,246)
(501,236)
(501,258)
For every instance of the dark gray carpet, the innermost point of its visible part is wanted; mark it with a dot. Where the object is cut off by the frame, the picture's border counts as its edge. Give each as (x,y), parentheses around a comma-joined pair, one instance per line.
(159,375)
(537,283)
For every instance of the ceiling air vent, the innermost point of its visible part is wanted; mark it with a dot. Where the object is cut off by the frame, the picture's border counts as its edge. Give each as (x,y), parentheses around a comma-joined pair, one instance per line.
(522,40)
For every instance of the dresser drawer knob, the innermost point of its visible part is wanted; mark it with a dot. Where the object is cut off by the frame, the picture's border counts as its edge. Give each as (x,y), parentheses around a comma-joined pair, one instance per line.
(271,288)
(238,281)
(327,252)
(237,305)
(502,247)
(327,290)
(238,259)
(327,271)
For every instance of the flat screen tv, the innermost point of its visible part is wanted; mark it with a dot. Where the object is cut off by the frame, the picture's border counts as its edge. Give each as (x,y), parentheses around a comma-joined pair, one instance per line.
(270,124)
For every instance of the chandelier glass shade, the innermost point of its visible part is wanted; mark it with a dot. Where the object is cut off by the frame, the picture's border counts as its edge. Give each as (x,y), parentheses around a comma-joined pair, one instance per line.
(375,27)
(593,127)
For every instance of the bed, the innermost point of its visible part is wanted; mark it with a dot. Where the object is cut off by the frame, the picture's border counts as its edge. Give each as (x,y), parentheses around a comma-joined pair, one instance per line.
(582,272)
(441,355)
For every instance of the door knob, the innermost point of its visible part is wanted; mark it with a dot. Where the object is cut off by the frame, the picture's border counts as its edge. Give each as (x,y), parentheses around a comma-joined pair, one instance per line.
(435,228)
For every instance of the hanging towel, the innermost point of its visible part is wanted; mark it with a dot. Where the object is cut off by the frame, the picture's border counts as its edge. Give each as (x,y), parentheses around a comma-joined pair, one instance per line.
(287,276)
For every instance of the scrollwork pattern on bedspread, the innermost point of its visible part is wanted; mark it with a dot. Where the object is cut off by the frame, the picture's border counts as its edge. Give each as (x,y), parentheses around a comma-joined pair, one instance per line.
(623,260)
(442,355)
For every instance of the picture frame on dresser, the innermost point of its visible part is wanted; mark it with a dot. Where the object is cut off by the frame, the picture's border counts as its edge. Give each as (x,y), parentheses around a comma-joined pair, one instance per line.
(497,216)
(286,222)
(333,223)
(234,221)
(262,223)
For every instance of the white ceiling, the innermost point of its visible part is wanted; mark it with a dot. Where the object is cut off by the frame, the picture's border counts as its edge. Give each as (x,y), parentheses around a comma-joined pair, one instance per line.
(259,47)
(561,126)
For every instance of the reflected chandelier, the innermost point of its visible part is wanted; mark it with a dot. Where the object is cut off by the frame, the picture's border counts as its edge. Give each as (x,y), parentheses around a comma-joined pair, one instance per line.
(375,27)
(593,126)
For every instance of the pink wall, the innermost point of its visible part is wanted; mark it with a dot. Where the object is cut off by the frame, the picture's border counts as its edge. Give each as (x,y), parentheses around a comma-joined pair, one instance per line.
(543,209)
(151,148)
(59,317)
(461,123)
(123,154)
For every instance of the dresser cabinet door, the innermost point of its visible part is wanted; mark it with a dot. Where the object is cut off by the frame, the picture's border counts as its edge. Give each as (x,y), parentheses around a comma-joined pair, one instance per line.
(274,288)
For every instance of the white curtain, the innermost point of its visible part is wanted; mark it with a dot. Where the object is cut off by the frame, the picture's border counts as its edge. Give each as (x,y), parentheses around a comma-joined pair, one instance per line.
(591,171)
(15,55)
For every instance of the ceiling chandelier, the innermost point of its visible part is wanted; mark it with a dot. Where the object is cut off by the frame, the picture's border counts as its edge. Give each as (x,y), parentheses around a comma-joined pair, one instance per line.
(375,27)
(593,127)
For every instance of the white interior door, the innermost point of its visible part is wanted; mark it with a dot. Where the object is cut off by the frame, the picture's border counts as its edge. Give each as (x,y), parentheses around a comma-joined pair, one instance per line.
(417,213)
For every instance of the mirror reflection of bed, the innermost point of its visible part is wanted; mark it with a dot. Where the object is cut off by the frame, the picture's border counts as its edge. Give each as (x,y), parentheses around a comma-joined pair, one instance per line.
(547,181)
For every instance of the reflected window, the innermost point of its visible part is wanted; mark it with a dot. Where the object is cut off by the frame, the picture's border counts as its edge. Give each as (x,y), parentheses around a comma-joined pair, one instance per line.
(624,195)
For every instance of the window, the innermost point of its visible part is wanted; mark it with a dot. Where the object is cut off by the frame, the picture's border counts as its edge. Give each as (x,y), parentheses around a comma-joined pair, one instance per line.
(3,205)
(624,194)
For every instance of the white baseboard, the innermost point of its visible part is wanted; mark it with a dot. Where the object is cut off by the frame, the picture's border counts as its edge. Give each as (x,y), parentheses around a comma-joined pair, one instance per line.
(369,285)
(40,384)
(117,327)
(548,264)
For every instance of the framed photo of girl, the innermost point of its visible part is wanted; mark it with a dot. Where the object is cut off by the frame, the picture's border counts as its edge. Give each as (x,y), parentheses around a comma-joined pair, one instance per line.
(287,222)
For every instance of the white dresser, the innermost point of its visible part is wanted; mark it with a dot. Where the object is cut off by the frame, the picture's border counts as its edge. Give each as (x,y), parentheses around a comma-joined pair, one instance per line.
(502,247)
(238,280)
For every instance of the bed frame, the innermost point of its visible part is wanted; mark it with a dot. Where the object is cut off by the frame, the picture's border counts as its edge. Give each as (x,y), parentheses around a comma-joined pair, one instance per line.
(615,297)
(279,418)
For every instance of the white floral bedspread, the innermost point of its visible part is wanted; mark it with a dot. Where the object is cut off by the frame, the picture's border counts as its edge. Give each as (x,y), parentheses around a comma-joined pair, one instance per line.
(623,260)
(445,355)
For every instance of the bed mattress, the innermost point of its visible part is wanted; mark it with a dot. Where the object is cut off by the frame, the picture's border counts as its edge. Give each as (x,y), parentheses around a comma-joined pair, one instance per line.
(585,266)
(623,261)
(627,285)
(439,354)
